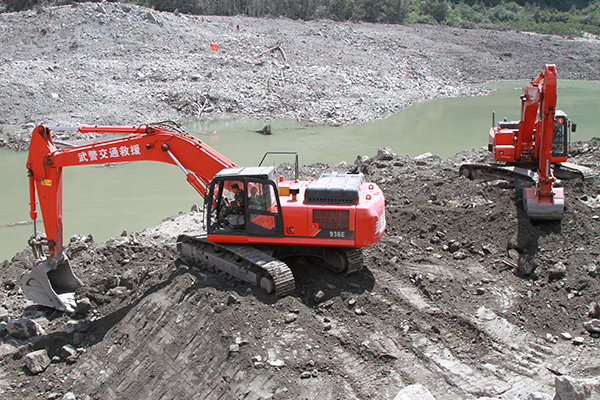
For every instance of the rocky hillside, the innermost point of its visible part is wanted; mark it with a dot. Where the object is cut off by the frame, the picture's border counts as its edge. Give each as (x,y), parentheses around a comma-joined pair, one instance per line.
(111,63)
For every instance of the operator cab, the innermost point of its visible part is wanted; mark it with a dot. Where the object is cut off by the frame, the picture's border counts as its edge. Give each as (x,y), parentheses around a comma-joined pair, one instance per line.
(562,129)
(244,201)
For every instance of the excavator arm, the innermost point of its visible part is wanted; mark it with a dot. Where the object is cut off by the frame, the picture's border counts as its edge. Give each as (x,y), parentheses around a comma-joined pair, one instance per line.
(545,131)
(530,104)
(52,275)
(544,201)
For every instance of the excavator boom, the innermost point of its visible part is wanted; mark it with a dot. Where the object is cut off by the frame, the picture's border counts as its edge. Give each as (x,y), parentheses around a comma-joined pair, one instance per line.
(52,281)
(145,142)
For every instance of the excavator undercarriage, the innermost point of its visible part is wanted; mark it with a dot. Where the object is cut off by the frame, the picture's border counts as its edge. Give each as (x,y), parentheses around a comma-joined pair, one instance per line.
(523,176)
(527,178)
(245,263)
(263,266)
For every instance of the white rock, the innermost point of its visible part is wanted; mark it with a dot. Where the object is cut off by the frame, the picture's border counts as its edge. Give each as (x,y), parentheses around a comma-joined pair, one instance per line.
(68,351)
(37,361)
(276,363)
(539,396)
(7,349)
(423,157)
(578,340)
(234,348)
(568,388)
(414,392)
(566,336)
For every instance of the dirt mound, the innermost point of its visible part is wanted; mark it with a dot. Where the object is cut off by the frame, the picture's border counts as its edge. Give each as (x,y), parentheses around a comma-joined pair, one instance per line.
(440,302)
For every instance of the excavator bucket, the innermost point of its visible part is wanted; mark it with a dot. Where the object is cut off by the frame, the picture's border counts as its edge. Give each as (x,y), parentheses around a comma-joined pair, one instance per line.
(546,209)
(52,284)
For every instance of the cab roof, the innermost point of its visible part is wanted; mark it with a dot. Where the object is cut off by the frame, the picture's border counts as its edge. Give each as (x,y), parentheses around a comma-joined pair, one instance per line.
(247,172)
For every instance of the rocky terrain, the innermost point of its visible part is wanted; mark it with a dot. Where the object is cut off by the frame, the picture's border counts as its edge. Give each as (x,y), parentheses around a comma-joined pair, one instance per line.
(107,63)
(463,298)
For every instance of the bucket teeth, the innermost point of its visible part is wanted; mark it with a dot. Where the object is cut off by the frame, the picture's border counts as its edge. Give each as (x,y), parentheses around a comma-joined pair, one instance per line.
(52,285)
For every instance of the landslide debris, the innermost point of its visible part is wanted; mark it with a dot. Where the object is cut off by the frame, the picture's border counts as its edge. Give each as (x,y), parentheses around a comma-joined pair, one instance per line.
(440,302)
(106,63)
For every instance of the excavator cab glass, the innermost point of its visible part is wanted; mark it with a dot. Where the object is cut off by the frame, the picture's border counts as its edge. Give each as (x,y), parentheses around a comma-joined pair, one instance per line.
(243,206)
(560,138)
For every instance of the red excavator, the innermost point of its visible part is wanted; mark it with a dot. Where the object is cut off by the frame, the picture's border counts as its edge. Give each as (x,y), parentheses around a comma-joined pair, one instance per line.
(254,220)
(538,142)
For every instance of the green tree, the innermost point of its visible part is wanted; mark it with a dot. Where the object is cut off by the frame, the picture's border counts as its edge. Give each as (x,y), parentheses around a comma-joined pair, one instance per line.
(438,9)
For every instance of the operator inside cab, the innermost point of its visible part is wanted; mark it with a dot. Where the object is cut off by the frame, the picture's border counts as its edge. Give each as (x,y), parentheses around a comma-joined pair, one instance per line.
(236,206)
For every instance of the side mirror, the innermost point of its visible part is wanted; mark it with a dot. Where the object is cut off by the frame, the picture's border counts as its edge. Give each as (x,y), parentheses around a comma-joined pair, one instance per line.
(573,127)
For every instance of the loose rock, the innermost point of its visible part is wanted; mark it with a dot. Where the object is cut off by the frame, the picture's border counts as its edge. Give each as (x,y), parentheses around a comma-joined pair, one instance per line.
(594,310)
(557,271)
(319,296)
(568,388)
(414,392)
(37,361)
(592,326)
(24,328)
(539,396)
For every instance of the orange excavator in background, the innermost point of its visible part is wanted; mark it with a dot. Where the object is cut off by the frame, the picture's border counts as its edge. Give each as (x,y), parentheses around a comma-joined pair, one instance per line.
(534,150)
(254,221)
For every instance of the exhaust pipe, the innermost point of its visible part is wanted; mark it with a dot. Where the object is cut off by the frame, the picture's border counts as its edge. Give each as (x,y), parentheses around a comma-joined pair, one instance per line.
(52,283)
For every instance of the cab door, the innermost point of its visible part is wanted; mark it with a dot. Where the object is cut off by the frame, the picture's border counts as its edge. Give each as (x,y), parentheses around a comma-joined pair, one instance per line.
(225,212)
(560,138)
(263,211)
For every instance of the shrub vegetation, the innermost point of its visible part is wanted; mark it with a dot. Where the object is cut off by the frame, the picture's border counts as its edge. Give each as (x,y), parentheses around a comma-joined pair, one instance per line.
(561,17)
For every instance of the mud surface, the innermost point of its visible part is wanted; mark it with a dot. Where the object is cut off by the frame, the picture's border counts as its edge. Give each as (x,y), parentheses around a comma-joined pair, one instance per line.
(441,300)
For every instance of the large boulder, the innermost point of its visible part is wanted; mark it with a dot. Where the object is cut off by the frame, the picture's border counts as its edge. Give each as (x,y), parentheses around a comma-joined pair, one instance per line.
(577,389)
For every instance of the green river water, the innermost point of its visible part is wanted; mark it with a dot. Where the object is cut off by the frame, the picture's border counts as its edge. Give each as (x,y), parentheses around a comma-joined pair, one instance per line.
(104,201)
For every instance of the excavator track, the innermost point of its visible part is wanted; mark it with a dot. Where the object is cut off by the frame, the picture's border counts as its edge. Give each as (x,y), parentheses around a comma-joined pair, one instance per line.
(243,262)
(515,175)
(567,170)
(521,177)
